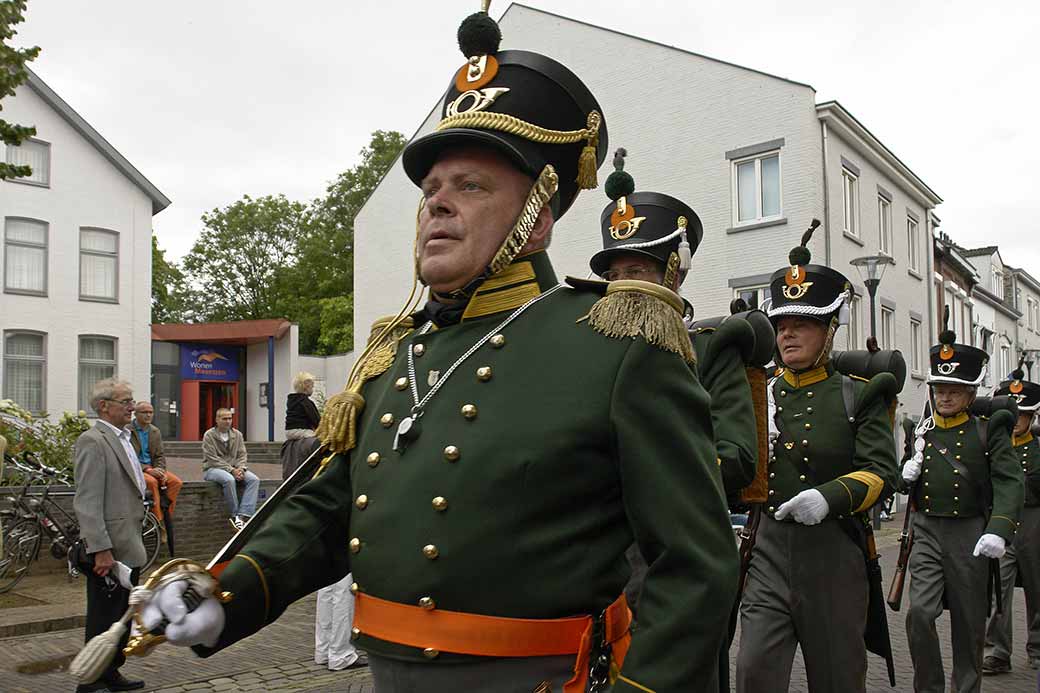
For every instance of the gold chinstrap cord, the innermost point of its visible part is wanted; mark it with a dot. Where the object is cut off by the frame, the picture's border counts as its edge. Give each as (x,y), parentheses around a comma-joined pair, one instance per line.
(541,192)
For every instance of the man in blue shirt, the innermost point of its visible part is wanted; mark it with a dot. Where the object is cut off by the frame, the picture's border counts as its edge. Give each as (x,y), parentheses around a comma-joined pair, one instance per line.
(147,442)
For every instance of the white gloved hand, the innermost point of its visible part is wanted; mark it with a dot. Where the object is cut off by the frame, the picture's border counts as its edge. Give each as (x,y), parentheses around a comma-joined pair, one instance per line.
(202,626)
(990,546)
(912,468)
(808,507)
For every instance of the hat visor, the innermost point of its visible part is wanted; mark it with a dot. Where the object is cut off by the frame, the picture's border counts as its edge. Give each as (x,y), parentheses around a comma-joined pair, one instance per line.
(421,154)
(600,262)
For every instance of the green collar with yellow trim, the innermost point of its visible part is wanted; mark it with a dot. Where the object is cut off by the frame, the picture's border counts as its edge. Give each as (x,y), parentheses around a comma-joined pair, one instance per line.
(950,421)
(809,377)
(527,277)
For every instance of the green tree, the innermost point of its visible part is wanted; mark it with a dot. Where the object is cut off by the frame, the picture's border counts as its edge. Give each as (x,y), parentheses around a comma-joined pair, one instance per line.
(240,264)
(324,275)
(172,298)
(12,74)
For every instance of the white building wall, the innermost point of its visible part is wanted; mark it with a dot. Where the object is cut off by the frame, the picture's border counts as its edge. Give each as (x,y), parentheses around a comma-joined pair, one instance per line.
(995,315)
(330,372)
(85,190)
(1027,299)
(678,115)
(286,359)
(902,289)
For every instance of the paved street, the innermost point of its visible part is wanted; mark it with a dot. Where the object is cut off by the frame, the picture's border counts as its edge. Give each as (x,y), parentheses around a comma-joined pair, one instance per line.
(279,659)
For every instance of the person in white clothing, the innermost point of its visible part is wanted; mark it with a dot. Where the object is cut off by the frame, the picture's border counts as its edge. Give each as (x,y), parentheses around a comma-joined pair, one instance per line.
(332,623)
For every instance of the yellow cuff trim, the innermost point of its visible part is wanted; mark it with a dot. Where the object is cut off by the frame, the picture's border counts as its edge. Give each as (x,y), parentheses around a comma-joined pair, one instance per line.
(874,486)
(847,490)
(632,683)
(1014,525)
(263,582)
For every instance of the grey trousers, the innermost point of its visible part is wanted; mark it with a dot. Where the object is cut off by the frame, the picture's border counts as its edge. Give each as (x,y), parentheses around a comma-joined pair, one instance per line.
(1022,560)
(941,563)
(511,675)
(807,585)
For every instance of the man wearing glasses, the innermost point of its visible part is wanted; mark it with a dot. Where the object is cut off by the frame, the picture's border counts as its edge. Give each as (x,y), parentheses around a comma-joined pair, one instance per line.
(110,487)
(147,441)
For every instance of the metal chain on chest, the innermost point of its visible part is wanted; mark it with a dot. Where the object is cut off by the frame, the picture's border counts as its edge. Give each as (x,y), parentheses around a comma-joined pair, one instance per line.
(409,423)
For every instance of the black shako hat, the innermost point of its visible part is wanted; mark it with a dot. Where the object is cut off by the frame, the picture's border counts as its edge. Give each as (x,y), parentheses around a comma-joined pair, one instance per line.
(814,291)
(524,105)
(959,364)
(1027,394)
(647,223)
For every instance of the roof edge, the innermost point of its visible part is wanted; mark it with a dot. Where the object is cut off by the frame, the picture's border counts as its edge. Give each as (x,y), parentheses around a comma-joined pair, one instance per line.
(992,300)
(842,114)
(80,125)
(655,43)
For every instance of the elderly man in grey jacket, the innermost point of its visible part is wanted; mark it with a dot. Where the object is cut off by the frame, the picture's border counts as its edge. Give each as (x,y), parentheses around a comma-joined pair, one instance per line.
(109,505)
(224,462)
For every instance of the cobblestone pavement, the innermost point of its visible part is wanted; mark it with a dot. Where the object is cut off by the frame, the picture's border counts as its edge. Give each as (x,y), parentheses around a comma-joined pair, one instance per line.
(280,659)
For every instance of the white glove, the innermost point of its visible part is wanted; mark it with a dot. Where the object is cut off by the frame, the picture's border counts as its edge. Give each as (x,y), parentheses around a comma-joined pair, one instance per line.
(912,469)
(202,626)
(990,546)
(808,507)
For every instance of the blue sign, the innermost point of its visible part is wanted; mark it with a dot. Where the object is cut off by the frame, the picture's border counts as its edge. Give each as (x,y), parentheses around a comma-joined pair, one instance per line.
(209,362)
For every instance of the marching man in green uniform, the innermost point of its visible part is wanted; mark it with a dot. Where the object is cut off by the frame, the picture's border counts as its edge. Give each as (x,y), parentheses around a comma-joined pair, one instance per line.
(833,456)
(651,236)
(497,451)
(966,486)
(1021,563)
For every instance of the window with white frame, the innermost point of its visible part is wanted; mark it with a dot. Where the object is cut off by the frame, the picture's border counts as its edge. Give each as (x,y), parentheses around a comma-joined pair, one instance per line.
(98,265)
(36,154)
(97,361)
(915,346)
(912,244)
(25,369)
(754,296)
(1029,314)
(757,188)
(997,283)
(25,256)
(850,201)
(1005,361)
(884,225)
(887,338)
(853,328)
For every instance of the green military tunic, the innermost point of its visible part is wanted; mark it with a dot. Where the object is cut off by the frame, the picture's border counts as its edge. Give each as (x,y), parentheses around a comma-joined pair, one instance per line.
(1027,450)
(943,492)
(541,458)
(852,464)
(722,370)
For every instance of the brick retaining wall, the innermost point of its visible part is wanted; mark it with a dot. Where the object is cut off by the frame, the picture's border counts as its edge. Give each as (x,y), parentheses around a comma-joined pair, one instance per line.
(200,524)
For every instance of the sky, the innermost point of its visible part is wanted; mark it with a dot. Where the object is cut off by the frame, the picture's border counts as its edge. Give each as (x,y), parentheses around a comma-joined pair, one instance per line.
(217,99)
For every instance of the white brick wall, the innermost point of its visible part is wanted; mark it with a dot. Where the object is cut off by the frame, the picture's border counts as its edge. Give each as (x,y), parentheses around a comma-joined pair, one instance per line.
(85,190)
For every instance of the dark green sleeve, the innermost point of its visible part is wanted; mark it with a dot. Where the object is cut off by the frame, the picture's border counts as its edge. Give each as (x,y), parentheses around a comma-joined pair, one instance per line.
(673,498)
(1006,475)
(874,461)
(301,548)
(724,376)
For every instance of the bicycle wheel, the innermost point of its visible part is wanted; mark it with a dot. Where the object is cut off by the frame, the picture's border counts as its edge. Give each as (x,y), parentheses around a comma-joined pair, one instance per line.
(21,547)
(152,540)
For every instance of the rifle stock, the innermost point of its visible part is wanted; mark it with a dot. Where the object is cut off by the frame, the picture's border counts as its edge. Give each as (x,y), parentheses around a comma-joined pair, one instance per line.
(906,545)
(747,545)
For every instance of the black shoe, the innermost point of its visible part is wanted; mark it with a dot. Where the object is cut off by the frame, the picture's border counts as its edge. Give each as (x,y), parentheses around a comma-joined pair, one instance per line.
(991,665)
(96,687)
(118,682)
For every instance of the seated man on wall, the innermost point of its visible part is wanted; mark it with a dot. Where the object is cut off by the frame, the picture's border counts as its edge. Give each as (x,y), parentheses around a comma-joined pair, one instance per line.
(224,462)
(147,442)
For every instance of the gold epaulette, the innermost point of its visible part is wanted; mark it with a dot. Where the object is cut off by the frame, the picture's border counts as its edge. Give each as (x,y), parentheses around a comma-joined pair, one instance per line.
(633,308)
(338,427)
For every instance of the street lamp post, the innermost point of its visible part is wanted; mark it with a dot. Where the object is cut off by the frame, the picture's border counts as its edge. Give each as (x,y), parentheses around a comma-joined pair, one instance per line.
(871,268)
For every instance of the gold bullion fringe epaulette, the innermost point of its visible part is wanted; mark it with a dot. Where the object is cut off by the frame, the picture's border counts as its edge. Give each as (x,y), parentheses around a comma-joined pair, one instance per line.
(338,427)
(633,308)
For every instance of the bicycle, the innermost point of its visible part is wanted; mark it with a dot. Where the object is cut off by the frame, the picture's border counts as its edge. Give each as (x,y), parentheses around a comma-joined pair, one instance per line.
(35,517)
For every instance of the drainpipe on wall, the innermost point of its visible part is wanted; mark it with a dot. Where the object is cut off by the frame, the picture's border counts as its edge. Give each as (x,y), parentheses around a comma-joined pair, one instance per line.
(826,202)
(270,389)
